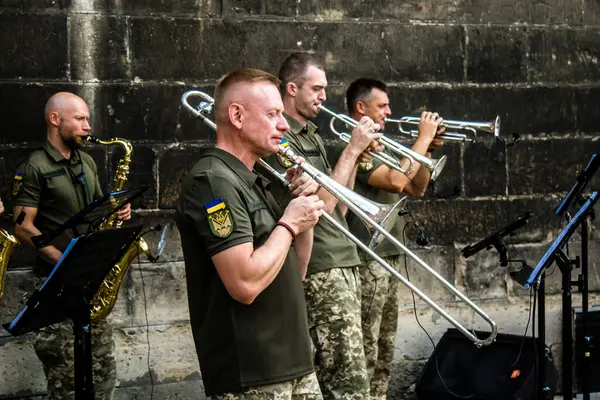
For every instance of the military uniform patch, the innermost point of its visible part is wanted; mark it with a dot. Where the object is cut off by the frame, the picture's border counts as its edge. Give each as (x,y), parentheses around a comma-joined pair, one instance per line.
(220,219)
(284,161)
(17,183)
(365,166)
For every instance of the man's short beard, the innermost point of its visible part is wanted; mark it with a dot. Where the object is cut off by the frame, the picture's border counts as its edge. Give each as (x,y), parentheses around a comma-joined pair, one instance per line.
(69,141)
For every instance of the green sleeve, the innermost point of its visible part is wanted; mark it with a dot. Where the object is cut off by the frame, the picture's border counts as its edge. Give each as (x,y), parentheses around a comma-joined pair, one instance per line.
(27,186)
(223,228)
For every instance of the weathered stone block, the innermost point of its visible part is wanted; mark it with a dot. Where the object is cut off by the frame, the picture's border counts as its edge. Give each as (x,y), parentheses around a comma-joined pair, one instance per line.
(441,259)
(33,46)
(548,166)
(98,153)
(37,5)
(466,221)
(497,54)
(186,390)
(98,47)
(141,173)
(448,184)
(156,291)
(173,168)
(140,112)
(21,372)
(569,55)
(403,378)
(556,12)
(483,278)
(591,12)
(485,167)
(23,110)
(198,8)
(18,286)
(586,104)
(172,355)
(191,48)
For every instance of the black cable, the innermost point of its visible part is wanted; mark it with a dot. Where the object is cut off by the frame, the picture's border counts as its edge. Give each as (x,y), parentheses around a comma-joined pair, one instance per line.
(526,329)
(147,328)
(535,352)
(437,368)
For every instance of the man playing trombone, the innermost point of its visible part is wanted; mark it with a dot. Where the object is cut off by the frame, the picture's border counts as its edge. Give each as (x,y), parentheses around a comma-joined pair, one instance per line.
(331,286)
(382,184)
(244,276)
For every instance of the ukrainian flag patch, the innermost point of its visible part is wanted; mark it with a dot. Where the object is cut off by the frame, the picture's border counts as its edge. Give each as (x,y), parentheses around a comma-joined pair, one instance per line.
(220,219)
(284,161)
(17,183)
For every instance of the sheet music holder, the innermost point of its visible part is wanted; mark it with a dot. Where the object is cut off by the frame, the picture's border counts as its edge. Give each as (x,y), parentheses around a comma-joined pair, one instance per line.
(93,215)
(553,251)
(68,290)
(582,181)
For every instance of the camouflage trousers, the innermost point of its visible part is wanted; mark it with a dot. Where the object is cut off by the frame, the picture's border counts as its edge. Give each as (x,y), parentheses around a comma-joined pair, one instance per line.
(380,294)
(304,388)
(54,347)
(333,304)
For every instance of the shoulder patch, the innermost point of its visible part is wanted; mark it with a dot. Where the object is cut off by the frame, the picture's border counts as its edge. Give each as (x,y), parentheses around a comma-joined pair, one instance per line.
(365,166)
(220,219)
(284,161)
(17,183)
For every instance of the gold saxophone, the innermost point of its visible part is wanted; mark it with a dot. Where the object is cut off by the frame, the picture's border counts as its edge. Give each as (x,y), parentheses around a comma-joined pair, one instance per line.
(105,298)
(7,244)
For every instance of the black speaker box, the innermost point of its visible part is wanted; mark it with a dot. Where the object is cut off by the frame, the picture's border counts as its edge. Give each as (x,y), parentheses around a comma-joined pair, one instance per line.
(593,356)
(500,371)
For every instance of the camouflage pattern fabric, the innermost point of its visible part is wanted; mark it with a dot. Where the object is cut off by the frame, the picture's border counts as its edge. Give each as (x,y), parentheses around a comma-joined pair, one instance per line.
(54,347)
(333,304)
(305,388)
(380,294)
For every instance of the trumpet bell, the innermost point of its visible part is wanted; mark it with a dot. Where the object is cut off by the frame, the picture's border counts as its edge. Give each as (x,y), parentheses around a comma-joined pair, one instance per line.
(387,217)
(438,166)
(496,127)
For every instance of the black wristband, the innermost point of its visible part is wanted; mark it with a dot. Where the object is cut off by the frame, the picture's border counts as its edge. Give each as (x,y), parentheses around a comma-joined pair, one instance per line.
(289,228)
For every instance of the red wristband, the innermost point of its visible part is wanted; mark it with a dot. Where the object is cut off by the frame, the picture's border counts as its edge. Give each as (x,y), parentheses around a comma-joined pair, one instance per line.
(289,228)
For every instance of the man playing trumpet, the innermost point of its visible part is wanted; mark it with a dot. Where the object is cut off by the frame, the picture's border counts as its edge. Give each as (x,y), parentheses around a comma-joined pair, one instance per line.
(332,287)
(380,290)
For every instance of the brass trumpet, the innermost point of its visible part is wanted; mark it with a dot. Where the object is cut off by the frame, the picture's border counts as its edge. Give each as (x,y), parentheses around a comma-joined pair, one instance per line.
(453,128)
(434,166)
(362,207)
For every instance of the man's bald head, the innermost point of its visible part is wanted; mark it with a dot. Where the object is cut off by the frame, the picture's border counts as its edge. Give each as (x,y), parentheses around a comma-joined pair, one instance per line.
(237,87)
(62,102)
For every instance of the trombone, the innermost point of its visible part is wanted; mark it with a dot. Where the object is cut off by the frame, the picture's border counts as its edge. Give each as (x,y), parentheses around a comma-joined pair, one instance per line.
(434,166)
(453,128)
(352,201)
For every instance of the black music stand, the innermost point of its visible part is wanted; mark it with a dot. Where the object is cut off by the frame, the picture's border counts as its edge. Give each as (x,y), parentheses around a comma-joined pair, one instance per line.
(91,216)
(68,290)
(555,253)
(574,196)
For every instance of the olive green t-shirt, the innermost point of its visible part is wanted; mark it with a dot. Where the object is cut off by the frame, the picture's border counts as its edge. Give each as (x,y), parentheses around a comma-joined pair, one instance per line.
(357,227)
(222,205)
(331,248)
(58,187)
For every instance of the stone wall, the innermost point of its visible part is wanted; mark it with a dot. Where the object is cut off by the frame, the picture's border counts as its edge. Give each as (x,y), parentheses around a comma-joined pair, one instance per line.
(534,63)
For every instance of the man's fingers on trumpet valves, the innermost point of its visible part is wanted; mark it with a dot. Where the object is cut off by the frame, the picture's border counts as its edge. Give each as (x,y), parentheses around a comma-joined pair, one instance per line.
(364,134)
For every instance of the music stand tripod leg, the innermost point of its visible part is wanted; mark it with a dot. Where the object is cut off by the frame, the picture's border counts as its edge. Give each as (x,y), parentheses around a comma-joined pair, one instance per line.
(84,375)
